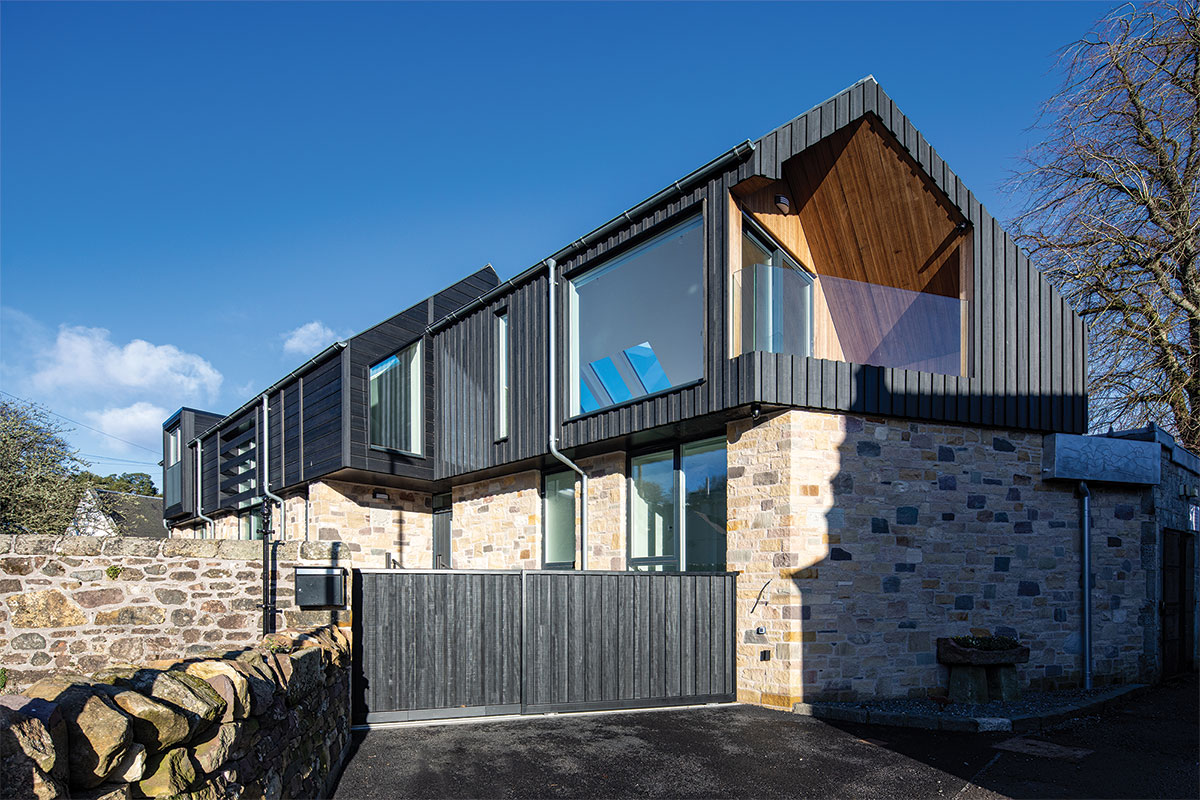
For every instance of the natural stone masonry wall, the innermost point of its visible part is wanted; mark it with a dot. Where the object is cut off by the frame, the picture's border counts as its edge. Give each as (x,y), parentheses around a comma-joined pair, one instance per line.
(497,524)
(81,602)
(870,538)
(267,721)
(395,529)
(607,498)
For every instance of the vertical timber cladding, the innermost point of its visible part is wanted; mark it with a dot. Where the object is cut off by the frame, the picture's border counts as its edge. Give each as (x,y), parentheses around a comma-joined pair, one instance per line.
(596,640)
(435,643)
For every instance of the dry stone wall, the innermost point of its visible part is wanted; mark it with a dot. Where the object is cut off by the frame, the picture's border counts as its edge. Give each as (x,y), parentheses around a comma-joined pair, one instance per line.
(82,602)
(266,721)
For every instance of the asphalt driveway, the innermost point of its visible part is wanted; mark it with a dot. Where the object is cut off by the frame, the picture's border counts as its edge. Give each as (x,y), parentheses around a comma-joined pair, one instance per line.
(1147,748)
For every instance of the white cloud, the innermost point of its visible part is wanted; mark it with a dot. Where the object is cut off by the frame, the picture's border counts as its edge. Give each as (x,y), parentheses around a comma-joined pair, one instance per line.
(85,359)
(308,339)
(140,423)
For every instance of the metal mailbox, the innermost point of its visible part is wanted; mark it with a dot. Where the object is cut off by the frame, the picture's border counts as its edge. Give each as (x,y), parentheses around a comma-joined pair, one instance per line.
(320,587)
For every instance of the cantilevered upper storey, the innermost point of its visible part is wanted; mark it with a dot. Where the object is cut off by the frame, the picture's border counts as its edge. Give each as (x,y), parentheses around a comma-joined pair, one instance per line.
(836,263)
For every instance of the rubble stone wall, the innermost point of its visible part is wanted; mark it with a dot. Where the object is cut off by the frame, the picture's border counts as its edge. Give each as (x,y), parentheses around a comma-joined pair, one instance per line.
(83,602)
(272,720)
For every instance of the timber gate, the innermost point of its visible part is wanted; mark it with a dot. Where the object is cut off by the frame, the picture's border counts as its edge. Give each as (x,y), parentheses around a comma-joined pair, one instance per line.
(430,644)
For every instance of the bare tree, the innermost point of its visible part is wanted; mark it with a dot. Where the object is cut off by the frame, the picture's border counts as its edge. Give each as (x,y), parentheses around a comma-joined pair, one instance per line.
(1112,210)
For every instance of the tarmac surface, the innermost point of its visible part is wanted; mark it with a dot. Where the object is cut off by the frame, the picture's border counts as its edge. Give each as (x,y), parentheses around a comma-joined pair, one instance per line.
(1146,748)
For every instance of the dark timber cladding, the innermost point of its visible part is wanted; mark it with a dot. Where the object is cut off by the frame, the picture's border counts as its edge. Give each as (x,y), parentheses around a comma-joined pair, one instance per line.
(383,340)
(1026,347)
(465,400)
(460,643)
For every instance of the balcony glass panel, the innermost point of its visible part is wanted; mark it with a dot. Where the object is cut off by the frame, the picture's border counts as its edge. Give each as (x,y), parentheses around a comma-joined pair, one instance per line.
(891,327)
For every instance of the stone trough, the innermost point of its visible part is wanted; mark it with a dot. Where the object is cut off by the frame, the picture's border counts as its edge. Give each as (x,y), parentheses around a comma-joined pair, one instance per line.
(978,675)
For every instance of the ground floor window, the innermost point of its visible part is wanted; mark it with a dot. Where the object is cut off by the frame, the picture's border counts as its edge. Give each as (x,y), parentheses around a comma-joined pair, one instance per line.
(250,524)
(558,545)
(677,508)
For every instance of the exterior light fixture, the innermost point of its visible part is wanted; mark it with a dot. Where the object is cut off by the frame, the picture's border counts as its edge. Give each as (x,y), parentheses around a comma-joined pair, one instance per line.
(782,203)
(380,495)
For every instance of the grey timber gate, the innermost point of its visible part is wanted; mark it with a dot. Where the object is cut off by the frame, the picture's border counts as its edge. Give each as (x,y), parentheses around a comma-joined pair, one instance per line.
(430,644)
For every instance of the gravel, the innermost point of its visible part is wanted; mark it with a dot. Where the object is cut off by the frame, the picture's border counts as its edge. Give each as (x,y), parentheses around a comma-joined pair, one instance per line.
(1030,704)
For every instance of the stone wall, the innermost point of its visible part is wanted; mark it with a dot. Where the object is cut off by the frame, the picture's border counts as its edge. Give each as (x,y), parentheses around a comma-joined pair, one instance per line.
(81,602)
(394,528)
(497,524)
(267,721)
(607,504)
(870,538)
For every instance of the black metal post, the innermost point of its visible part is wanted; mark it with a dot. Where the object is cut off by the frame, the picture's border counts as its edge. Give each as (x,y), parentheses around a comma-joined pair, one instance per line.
(267,606)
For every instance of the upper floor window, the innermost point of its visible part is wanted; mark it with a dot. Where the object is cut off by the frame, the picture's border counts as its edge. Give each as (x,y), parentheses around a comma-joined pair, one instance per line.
(637,321)
(395,401)
(772,298)
(174,441)
(501,393)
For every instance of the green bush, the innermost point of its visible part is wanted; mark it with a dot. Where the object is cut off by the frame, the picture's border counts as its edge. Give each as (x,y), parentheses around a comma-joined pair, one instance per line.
(114,571)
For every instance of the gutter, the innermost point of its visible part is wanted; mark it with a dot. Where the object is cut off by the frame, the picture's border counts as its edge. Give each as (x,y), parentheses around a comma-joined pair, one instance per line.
(552,417)
(626,217)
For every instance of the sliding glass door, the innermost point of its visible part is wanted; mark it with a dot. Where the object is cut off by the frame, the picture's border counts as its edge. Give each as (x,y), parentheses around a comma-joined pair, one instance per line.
(677,508)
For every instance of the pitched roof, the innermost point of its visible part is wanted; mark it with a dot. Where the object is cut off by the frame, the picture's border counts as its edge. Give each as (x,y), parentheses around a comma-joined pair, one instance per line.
(133,514)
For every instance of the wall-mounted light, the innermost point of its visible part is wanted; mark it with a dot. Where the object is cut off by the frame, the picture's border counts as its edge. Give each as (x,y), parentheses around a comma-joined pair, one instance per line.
(380,495)
(782,203)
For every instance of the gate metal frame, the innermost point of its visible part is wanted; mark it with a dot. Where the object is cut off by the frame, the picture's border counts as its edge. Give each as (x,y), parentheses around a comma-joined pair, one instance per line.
(525,707)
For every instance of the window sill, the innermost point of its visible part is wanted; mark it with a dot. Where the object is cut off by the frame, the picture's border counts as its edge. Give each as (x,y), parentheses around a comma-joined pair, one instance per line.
(634,401)
(393,451)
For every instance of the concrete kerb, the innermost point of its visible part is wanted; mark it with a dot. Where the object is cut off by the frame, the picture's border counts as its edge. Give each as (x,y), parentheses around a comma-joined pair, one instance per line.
(947,721)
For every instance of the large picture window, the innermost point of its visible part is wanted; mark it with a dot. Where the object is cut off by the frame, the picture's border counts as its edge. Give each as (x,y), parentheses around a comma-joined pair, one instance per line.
(395,401)
(677,514)
(637,321)
(559,515)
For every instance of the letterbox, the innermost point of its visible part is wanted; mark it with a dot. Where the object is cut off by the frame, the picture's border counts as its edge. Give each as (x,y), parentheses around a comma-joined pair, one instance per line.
(320,587)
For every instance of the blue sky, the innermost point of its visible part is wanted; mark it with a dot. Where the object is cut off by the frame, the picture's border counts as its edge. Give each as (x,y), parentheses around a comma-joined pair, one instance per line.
(196,197)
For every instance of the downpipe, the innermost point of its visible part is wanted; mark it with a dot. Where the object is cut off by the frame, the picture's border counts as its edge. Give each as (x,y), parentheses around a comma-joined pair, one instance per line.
(552,415)
(1085,512)
(212,524)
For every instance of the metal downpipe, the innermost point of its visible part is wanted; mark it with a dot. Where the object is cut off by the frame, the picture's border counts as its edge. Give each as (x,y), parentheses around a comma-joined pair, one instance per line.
(1085,497)
(552,416)
(199,495)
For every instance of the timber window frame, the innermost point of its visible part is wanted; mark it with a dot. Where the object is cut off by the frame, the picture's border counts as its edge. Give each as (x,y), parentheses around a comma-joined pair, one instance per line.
(396,386)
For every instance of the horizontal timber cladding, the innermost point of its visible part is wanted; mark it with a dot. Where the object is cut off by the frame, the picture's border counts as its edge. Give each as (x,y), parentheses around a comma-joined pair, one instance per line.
(466,358)
(461,643)
(321,417)
(1028,347)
